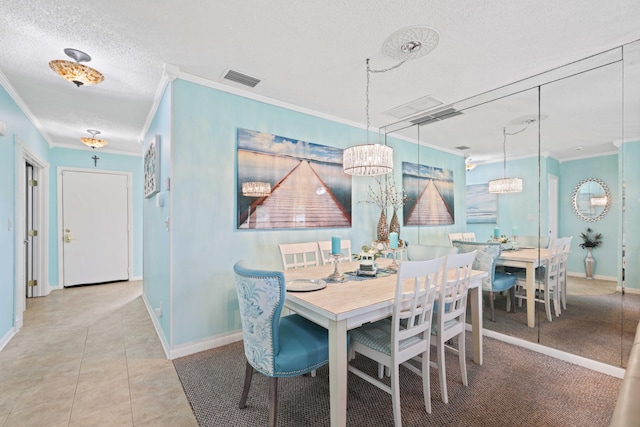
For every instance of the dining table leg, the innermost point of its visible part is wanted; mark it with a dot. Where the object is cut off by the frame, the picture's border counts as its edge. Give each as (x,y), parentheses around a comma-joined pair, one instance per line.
(530,275)
(476,323)
(338,372)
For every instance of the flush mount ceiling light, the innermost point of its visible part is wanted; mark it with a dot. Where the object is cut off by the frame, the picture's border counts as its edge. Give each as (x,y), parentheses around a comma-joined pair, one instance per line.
(75,72)
(508,185)
(93,142)
(411,42)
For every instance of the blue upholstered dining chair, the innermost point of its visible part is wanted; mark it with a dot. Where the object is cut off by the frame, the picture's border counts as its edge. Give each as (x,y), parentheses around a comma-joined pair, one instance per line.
(496,281)
(275,346)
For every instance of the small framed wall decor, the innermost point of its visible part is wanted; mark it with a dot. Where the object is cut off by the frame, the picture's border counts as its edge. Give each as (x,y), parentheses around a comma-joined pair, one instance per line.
(152,167)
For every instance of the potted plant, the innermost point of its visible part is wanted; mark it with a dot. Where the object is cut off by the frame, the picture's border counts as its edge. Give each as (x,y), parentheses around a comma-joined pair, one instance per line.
(590,240)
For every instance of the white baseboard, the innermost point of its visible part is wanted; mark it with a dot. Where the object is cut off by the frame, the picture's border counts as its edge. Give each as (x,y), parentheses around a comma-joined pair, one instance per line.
(135,278)
(628,290)
(603,368)
(157,326)
(192,347)
(7,337)
(205,344)
(596,276)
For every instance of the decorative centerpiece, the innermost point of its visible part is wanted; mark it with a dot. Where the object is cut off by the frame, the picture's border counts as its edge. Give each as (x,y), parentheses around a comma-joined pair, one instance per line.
(384,196)
(590,241)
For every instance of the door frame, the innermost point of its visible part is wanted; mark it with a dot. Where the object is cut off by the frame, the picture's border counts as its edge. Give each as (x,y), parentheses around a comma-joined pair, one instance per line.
(41,220)
(129,176)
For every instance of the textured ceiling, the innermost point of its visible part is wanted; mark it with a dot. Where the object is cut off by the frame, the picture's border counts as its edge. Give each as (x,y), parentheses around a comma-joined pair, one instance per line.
(309,54)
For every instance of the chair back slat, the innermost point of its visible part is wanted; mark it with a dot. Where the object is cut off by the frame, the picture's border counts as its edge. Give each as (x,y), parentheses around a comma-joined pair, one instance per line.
(416,288)
(297,255)
(324,246)
(452,301)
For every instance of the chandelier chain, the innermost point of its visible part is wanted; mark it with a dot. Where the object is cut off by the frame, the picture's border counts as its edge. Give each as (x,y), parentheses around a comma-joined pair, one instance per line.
(369,71)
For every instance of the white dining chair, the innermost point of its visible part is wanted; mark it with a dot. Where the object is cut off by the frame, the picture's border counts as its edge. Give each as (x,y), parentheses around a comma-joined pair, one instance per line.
(547,281)
(324,246)
(562,270)
(469,237)
(454,236)
(450,317)
(296,255)
(393,342)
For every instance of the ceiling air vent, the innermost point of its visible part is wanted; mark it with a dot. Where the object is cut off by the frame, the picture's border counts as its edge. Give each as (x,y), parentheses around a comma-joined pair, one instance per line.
(414,107)
(435,116)
(243,79)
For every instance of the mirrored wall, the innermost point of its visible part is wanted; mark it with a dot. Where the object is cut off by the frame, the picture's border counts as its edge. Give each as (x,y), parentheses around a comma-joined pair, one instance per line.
(557,130)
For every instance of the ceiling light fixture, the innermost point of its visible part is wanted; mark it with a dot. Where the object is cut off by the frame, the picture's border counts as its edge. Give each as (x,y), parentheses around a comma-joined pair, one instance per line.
(93,142)
(75,72)
(368,159)
(507,185)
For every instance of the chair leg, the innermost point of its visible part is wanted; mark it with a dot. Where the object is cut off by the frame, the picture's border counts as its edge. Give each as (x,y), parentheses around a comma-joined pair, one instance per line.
(564,292)
(273,401)
(512,295)
(493,313)
(547,303)
(442,373)
(462,356)
(248,373)
(426,381)
(395,394)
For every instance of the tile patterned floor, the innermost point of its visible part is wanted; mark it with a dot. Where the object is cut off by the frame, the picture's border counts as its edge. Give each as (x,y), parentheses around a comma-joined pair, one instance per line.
(89,356)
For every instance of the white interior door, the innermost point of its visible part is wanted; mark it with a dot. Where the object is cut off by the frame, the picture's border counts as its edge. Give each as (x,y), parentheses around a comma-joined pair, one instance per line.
(95,227)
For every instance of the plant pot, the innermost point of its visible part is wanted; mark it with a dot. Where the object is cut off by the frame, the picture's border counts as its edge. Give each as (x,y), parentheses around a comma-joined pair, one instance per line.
(383,227)
(589,264)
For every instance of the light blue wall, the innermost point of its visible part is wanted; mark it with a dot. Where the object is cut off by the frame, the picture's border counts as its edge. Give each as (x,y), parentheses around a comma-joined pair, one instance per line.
(572,172)
(157,261)
(20,128)
(516,209)
(631,222)
(107,162)
(205,241)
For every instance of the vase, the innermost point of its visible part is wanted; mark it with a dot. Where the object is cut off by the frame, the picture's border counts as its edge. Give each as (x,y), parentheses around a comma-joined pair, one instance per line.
(589,264)
(394,225)
(383,227)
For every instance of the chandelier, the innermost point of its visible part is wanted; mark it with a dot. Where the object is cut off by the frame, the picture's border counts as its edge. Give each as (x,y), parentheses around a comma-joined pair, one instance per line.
(75,72)
(256,189)
(368,159)
(507,185)
(93,142)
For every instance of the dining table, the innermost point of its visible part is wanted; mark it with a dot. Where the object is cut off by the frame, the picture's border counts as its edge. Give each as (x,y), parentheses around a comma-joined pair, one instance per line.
(528,258)
(341,306)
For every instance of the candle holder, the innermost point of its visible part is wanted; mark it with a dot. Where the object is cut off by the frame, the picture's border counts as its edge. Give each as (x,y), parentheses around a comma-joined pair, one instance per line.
(335,277)
(394,255)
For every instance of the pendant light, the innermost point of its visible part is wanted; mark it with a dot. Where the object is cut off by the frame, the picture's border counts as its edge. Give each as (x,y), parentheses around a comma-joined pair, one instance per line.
(368,159)
(507,185)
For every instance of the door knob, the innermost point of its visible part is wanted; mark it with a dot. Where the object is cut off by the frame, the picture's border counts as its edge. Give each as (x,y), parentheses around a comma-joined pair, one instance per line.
(67,238)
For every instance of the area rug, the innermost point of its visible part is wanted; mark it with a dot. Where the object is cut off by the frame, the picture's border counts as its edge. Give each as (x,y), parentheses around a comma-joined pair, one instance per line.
(514,387)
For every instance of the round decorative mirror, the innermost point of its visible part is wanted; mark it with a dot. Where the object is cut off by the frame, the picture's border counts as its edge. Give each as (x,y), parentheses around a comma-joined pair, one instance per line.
(591,199)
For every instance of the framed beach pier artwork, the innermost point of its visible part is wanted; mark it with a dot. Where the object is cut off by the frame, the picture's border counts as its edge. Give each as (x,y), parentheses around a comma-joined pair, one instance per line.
(429,191)
(287,183)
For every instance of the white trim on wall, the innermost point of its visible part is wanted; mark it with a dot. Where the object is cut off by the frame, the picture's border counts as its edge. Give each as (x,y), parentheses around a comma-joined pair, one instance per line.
(22,155)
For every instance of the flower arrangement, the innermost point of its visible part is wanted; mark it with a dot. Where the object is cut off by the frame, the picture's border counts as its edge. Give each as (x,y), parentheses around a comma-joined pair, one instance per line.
(590,239)
(386,194)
